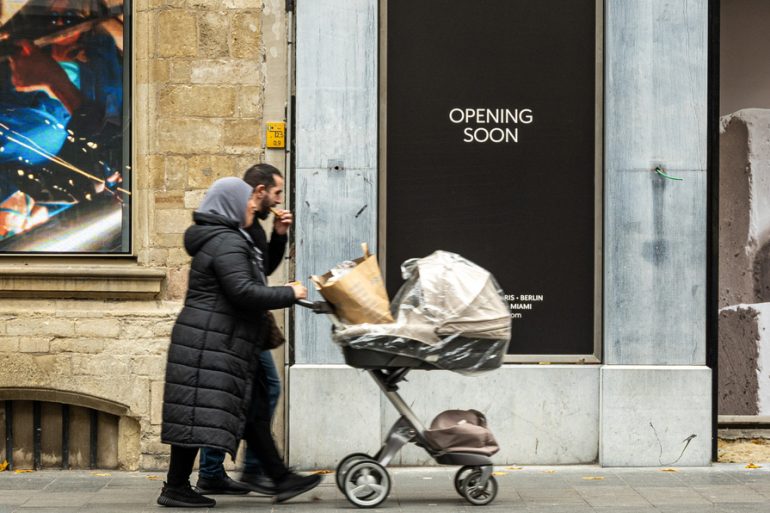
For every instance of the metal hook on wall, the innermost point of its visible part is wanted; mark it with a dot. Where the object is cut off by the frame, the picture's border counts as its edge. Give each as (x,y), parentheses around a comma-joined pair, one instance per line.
(661,172)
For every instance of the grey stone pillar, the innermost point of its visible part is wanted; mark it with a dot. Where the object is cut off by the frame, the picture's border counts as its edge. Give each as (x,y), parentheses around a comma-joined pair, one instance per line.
(656,389)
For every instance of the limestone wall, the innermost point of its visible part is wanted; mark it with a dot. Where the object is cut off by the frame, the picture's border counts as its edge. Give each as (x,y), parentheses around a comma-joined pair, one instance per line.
(744,263)
(200,79)
(111,351)
(200,69)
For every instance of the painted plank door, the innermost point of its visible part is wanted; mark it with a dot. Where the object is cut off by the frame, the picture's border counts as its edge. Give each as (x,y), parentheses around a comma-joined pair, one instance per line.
(336,141)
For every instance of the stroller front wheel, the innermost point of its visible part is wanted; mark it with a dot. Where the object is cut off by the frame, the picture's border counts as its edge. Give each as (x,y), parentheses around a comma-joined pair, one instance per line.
(475,493)
(366,484)
(460,477)
(344,465)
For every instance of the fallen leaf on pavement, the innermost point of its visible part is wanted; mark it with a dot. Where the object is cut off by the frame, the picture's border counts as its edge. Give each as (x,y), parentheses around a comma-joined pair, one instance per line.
(593,478)
(324,471)
(669,470)
(3,465)
(751,465)
(23,471)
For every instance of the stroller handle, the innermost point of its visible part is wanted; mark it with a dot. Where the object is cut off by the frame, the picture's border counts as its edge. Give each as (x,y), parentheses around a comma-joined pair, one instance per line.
(319,307)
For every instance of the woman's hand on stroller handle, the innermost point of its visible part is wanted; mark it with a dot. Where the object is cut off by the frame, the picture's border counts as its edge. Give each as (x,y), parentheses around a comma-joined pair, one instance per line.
(300,291)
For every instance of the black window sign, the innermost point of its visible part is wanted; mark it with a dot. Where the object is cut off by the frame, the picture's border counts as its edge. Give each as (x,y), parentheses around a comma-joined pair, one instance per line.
(490,152)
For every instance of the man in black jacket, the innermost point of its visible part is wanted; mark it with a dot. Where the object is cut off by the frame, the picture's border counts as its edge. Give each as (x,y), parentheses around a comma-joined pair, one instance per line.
(267,183)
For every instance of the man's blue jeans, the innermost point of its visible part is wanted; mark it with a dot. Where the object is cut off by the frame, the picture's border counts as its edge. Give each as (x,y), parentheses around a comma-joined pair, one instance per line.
(211,464)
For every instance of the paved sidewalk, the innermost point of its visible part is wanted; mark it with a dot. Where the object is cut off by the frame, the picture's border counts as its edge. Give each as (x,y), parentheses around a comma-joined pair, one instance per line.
(723,488)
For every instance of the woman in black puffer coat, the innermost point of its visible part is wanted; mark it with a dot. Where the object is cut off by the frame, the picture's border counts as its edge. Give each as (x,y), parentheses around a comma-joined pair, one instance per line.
(214,347)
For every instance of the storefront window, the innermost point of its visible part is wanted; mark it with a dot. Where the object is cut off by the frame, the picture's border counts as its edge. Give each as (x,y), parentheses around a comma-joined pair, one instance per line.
(65,181)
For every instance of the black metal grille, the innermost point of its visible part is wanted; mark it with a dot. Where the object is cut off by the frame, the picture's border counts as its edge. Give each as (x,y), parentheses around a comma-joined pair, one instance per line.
(43,426)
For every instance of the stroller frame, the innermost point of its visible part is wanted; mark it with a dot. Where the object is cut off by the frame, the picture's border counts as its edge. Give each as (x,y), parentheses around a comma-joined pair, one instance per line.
(363,479)
(408,428)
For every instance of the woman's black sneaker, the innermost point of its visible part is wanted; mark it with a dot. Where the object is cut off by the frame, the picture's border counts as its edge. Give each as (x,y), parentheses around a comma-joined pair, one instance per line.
(294,484)
(183,497)
(220,486)
(258,483)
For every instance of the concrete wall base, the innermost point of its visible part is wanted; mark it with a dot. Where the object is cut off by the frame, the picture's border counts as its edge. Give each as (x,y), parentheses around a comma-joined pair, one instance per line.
(540,414)
(655,416)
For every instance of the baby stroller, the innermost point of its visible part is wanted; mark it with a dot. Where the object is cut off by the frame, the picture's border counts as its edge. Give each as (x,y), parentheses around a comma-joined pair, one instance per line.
(450,314)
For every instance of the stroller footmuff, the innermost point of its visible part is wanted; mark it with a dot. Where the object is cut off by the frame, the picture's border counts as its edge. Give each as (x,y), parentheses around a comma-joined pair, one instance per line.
(449,314)
(462,431)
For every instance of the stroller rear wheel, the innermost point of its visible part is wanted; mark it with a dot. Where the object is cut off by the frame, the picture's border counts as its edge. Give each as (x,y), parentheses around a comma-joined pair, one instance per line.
(366,484)
(475,493)
(345,464)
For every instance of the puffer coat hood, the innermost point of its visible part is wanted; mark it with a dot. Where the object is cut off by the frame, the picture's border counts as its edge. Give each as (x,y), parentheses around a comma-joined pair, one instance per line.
(206,227)
(217,337)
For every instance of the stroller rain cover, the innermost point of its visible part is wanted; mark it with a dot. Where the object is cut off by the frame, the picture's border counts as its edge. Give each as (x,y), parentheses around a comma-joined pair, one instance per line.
(449,313)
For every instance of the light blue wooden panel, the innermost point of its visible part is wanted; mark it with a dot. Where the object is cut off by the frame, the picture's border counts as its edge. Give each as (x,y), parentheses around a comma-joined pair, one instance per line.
(337,83)
(655,229)
(336,120)
(334,215)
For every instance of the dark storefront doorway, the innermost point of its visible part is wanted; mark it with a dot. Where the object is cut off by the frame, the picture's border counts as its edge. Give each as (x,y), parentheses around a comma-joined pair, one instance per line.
(493,151)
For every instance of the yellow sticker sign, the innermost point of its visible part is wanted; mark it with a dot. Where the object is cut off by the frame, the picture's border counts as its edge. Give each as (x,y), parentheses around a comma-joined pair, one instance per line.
(276,135)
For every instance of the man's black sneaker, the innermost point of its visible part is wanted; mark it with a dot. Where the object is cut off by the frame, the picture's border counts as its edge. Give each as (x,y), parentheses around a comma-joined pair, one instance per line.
(259,483)
(295,484)
(220,486)
(183,497)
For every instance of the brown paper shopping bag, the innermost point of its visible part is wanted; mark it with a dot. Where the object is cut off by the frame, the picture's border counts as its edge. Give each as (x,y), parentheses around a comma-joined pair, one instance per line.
(359,296)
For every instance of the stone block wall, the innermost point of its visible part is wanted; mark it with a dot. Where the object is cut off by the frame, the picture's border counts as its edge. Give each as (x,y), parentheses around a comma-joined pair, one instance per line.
(199,89)
(111,351)
(744,360)
(200,83)
(744,263)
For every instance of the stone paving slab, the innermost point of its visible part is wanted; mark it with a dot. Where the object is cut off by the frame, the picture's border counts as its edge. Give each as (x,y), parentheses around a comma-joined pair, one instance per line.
(61,500)
(612,496)
(668,496)
(722,488)
(729,494)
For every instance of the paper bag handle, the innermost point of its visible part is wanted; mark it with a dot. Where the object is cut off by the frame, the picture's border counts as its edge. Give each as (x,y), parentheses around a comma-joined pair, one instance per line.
(365,249)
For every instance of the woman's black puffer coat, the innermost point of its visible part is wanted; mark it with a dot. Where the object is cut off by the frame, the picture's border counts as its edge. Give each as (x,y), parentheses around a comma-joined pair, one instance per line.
(217,337)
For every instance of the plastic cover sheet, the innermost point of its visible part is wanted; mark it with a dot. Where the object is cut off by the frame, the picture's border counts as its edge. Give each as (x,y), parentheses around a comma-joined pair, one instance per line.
(450,314)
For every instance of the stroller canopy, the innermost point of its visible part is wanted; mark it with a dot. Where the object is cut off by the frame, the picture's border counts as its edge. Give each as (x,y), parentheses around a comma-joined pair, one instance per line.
(458,297)
(445,295)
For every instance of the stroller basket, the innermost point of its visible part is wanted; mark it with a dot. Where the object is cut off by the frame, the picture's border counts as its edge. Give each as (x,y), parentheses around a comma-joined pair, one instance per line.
(457,354)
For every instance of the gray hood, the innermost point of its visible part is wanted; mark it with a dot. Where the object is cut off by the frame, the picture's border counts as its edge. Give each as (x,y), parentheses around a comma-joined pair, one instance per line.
(228,198)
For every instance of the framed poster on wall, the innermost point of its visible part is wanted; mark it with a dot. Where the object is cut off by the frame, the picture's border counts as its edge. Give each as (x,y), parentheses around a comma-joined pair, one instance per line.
(64,136)
(491,148)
